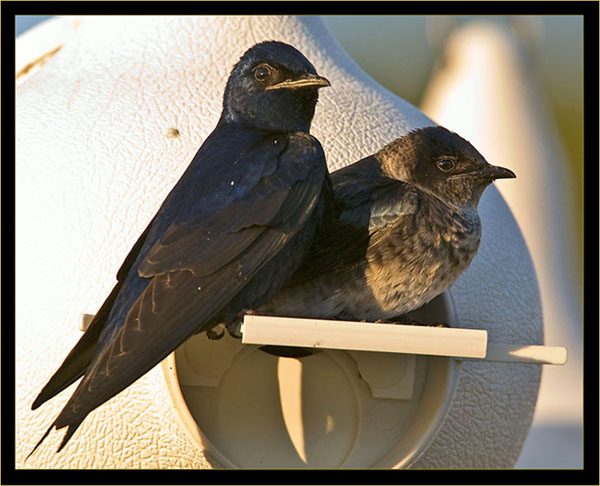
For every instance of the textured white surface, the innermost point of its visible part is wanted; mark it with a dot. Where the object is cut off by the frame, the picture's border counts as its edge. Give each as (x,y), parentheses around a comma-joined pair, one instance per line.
(96,157)
(488,94)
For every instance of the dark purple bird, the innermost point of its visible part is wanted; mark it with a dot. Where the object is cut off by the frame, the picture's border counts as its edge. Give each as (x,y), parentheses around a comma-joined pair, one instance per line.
(228,235)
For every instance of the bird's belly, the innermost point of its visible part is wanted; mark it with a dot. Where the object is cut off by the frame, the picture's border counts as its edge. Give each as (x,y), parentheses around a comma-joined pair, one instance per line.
(407,284)
(385,287)
(319,298)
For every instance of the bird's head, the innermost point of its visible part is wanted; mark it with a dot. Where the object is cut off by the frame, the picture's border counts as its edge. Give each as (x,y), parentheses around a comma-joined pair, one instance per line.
(273,87)
(441,163)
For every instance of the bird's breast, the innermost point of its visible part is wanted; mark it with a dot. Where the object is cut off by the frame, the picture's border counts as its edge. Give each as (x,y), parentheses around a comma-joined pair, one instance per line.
(419,259)
(407,264)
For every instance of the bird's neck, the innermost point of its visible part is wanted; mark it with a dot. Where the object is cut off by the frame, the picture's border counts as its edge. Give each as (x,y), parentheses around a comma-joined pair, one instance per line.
(264,124)
(454,219)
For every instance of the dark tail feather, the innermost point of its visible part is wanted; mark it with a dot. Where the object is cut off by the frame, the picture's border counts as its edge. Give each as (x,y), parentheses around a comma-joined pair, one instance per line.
(80,357)
(70,431)
(72,427)
(41,440)
(54,387)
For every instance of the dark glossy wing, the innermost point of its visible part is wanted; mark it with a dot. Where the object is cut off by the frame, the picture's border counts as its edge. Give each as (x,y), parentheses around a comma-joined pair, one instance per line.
(368,202)
(80,357)
(82,353)
(197,264)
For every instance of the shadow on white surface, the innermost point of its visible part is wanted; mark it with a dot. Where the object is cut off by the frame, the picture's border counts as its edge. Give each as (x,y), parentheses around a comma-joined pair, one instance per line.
(553,446)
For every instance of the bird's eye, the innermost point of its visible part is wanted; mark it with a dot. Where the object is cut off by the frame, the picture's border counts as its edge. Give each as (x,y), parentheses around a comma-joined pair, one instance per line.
(262,72)
(445,165)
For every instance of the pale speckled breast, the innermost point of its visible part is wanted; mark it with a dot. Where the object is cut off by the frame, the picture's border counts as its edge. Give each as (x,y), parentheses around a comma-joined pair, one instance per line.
(414,260)
(409,270)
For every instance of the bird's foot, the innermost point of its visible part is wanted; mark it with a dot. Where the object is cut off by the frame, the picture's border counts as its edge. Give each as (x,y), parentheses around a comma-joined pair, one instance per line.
(216,332)
(346,316)
(399,320)
(255,312)
(235,329)
(407,320)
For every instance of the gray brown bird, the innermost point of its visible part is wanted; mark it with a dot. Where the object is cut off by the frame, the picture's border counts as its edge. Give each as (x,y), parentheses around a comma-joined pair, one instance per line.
(407,228)
(231,231)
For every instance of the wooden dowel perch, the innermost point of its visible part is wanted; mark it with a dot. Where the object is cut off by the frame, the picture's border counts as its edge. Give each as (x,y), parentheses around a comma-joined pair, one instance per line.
(392,338)
(362,336)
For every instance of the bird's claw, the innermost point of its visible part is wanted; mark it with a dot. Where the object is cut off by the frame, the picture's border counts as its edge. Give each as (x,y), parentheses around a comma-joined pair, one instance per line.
(235,330)
(406,320)
(216,332)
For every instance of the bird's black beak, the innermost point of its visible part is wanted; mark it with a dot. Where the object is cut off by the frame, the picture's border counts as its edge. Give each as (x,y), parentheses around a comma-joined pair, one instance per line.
(495,172)
(304,81)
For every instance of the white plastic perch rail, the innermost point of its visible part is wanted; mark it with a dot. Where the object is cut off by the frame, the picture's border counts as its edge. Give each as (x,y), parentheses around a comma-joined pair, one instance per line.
(393,338)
